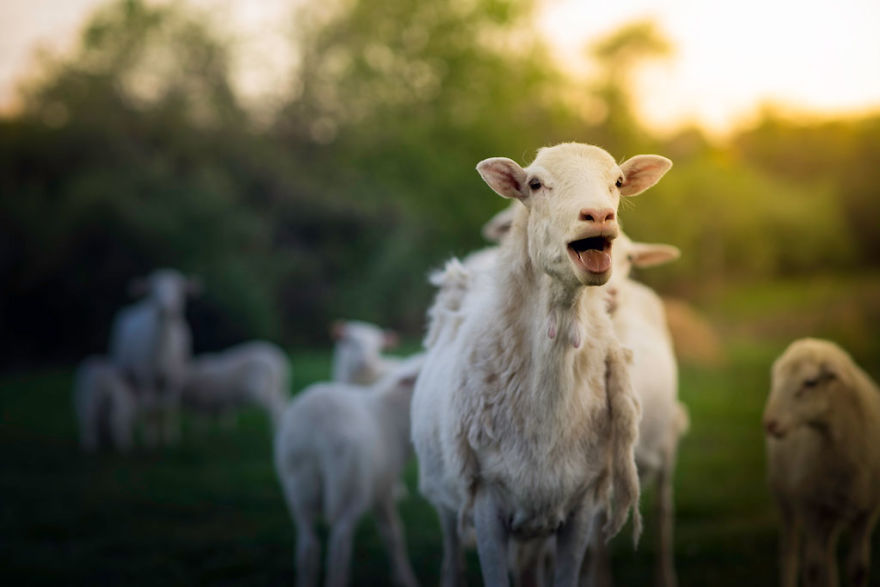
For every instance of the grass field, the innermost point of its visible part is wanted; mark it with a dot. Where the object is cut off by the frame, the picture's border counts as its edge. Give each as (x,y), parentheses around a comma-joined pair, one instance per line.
(210,511)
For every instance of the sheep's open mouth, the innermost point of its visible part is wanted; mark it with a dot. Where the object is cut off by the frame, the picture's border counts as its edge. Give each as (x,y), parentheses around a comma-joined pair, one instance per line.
(592,253)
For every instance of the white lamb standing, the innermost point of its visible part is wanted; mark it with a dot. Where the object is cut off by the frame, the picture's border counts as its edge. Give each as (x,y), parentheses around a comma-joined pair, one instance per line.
(524,420)
(151,345)
(104,404)
(822,420)
(251,373)
(357,355)
(639,320)
(339,451)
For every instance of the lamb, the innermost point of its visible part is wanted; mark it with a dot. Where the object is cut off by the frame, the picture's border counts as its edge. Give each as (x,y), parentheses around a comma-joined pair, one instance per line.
(822,421)
(104,405)
(339,451)
(151,345)
(256,372)
(357,355)
(524,420)
(640,324)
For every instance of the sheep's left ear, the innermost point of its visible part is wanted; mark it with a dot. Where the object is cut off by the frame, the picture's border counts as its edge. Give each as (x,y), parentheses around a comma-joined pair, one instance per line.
(389,339)
(648,255)
(504,176)
(641,172)
(337,330)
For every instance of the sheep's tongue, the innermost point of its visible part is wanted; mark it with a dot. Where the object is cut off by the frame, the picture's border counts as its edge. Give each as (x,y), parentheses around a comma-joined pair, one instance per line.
(595,261)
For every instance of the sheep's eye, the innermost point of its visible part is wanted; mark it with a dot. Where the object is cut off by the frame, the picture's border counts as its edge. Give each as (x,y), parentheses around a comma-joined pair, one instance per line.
(535,184)
(619,182)
(810,383)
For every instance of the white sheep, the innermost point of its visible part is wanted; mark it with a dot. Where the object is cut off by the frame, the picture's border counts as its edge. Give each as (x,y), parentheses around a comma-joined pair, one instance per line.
(104,404)
(639,319)
(251,373)
(524,420)
(822,420)
(357,354)
(151,344)
(339,451)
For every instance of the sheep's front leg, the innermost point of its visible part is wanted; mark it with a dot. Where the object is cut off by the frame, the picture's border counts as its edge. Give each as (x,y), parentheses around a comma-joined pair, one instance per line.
(571,542)
(596,567)
(859,558)
(122,420)
(392,533)
(492,538)
(339,551)
(453,572)
(664,510)
(820,564)
(789,544)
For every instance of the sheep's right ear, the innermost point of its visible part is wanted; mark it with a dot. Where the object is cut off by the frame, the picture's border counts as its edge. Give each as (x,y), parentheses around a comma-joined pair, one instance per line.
(504,176)
(648,255)
(389,339)
(337,329)
(641,172)
(499,225)
(138,287)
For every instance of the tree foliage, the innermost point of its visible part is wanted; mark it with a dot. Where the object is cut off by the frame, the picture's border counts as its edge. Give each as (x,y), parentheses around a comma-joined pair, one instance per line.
(135,152)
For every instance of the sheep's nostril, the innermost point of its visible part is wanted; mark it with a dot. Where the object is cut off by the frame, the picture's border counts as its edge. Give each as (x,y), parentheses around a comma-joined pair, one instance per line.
(772,427)
(597,216)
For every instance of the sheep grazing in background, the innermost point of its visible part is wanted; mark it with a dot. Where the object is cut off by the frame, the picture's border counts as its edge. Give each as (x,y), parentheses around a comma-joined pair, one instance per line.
(104,404)
(639,320)
(151,345)
(499,225)
(251,373)
(357,355)
(823,454)
(339,451)
(524,420)
(482,260)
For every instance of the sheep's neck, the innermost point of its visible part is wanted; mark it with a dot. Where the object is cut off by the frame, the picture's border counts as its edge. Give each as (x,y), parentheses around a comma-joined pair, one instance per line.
(165,321)
(846,427)
(392,409)
(551,317)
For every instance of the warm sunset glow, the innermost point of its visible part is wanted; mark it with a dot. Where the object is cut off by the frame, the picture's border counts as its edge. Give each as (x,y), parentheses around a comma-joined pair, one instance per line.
(813,57)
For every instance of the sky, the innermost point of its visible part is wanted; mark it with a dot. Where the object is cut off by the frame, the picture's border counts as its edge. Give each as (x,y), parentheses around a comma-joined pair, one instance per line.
(812,56)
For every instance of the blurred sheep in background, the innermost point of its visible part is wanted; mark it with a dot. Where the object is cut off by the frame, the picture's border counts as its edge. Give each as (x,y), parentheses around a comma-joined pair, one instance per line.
(357,355)
(251,373)
(340,451)
(151,344)
(822,420)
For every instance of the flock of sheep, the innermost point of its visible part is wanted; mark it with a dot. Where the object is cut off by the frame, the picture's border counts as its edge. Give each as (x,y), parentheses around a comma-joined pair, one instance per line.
(546,395)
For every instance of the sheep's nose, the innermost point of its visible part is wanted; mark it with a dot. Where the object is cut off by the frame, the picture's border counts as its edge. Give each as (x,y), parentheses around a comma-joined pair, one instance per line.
(772,427)
(597,216)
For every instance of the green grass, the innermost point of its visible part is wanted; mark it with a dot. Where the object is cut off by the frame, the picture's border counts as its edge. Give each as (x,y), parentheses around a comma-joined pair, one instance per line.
(210,511)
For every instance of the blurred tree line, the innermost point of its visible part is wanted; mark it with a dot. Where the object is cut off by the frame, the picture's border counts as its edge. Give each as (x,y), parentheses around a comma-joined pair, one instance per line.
(135,152)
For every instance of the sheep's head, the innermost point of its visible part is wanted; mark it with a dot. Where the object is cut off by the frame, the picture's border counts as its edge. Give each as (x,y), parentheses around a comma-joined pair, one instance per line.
(499,225)
(807,380)
(572,192)
(167,288)
(359,344)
